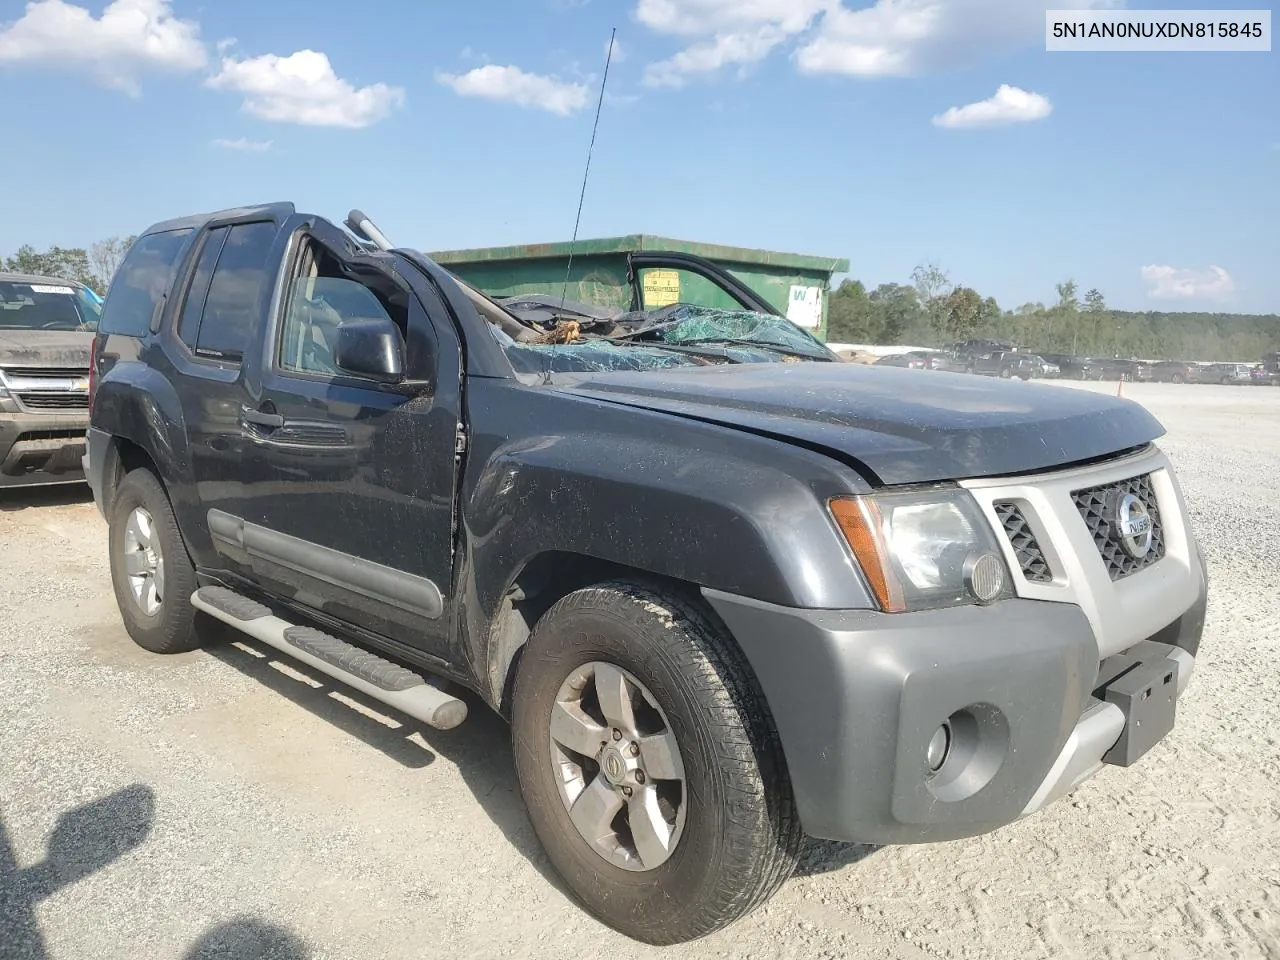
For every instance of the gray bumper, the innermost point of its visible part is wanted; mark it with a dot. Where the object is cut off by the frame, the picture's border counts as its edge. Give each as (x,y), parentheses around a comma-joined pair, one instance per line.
(38,449)
(858,695)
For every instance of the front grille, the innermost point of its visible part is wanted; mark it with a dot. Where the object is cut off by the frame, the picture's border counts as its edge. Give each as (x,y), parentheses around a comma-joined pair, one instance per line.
(54,401)
(1096,506)
(51,373)
(1030,557)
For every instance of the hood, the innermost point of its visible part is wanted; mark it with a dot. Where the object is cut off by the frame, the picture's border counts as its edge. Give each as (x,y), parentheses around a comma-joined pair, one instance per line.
(45,348)
(904,426)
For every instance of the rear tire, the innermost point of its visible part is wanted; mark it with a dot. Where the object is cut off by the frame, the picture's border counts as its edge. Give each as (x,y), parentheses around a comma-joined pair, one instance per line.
(732,835)
(151,572)
(1177,378)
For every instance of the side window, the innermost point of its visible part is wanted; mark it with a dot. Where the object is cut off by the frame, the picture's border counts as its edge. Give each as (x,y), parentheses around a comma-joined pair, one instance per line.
(193,306)
(317,303)
(141,283)
(232,304)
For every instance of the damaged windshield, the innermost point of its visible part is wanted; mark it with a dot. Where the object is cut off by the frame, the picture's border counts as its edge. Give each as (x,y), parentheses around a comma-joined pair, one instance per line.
(572,337)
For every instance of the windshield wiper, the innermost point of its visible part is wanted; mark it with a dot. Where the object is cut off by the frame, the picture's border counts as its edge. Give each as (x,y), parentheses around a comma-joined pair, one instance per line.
(755,345)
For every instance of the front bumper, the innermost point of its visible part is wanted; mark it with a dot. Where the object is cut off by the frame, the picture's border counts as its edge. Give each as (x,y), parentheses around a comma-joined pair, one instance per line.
(858,695)
(38,449)
(1039,691)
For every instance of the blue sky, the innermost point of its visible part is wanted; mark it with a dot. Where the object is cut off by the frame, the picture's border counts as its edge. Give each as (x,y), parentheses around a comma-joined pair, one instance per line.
(801,125)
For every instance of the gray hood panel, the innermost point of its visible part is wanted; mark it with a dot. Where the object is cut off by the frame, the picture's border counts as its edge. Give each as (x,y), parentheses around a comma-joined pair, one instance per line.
(904,426)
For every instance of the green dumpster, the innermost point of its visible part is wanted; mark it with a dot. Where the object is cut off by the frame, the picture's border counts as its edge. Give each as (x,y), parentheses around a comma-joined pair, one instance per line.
(647,272)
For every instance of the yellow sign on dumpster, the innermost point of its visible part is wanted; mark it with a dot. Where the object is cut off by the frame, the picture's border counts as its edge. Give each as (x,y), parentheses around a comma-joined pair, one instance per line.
(661,288)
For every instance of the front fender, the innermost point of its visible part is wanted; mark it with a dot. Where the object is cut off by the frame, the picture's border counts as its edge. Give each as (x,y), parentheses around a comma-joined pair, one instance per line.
(709,505)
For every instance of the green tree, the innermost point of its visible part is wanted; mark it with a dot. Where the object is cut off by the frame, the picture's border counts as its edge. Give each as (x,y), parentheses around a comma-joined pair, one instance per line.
(850,317)
(962,313)
(897,311)
(1094,302)
(69,263)
(1067,300)
(933,286)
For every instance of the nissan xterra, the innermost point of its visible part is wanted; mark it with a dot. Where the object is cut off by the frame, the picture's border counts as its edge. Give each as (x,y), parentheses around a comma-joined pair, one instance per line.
(727,589)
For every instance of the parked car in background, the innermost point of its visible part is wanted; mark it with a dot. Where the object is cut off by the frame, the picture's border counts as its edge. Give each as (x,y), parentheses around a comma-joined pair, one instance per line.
(1116,368)
(1237,373)
(923,360)
(1260,376)
(46,328)
(1002,363)
(1075,367)
(1182,371)
(1043,367)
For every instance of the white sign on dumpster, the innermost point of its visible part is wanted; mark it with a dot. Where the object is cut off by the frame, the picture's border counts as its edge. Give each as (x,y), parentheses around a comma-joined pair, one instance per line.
(804,306)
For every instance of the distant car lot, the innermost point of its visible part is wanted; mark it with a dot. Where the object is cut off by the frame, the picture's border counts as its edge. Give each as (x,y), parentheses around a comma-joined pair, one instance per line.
(184,809)
(992,358)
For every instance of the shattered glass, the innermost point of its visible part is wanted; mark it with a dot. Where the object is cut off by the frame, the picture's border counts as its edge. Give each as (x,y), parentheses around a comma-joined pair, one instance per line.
(570,340)
(691,324)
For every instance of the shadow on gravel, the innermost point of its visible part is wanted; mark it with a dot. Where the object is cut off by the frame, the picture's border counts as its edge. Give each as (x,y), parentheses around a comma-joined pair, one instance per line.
(247,938)
(480,748)
(826,856)
(37,498)
(84,841)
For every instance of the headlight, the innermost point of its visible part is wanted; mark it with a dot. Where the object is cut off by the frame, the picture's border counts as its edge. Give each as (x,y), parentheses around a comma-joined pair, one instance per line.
(922,549)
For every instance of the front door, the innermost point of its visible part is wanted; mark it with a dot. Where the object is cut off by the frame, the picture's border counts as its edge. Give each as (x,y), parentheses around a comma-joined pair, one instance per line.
(351,512)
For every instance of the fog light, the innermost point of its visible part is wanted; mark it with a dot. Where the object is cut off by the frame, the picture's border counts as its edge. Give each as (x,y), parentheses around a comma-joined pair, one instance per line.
(939,747)
(984,576)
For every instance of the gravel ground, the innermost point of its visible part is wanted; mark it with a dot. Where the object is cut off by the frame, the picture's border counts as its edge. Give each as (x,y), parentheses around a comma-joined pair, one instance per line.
(222,804)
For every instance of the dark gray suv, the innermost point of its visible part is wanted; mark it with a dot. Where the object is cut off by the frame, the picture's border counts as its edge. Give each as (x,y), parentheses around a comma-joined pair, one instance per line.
(727,590)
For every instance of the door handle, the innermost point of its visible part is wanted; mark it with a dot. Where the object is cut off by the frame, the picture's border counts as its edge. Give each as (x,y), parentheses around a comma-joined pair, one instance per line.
(260,419)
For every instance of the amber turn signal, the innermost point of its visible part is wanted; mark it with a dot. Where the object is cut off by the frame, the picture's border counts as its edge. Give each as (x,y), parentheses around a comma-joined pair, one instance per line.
(862,524)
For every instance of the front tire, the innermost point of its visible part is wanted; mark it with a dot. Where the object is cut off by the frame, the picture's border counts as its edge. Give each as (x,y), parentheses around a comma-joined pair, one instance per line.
(650,764)
(151,572)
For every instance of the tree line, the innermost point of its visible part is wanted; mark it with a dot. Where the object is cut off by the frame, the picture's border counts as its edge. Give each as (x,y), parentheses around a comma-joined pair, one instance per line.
(94,267)
(931,311)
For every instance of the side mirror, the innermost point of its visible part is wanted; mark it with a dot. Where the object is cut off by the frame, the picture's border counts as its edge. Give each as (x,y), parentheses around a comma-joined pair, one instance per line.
(373,349)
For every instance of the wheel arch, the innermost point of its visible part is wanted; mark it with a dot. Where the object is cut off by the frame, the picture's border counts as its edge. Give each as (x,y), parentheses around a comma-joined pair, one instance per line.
(545,579)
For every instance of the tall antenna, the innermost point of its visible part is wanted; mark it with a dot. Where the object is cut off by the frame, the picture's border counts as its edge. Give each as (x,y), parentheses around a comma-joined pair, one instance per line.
(564,292)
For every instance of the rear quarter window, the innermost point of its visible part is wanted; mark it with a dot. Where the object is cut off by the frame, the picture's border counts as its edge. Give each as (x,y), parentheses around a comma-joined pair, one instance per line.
(142,282)
(232,304)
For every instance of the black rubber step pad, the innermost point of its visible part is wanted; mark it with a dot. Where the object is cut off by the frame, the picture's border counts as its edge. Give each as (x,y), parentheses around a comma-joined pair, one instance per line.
(230,602)
(369,667)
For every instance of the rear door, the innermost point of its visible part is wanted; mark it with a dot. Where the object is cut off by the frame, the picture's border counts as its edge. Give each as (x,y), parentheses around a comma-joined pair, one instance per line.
(351,506)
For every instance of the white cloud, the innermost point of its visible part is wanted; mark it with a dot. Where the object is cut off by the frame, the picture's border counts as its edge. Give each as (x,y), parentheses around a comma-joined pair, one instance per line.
(907,37)
(244,145)
(886,38)
(742,48)
(726,32)
(618,55)
(1175,283)
(302,88)
(130,38)
(513,85)
(1009,105)
(700,17)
